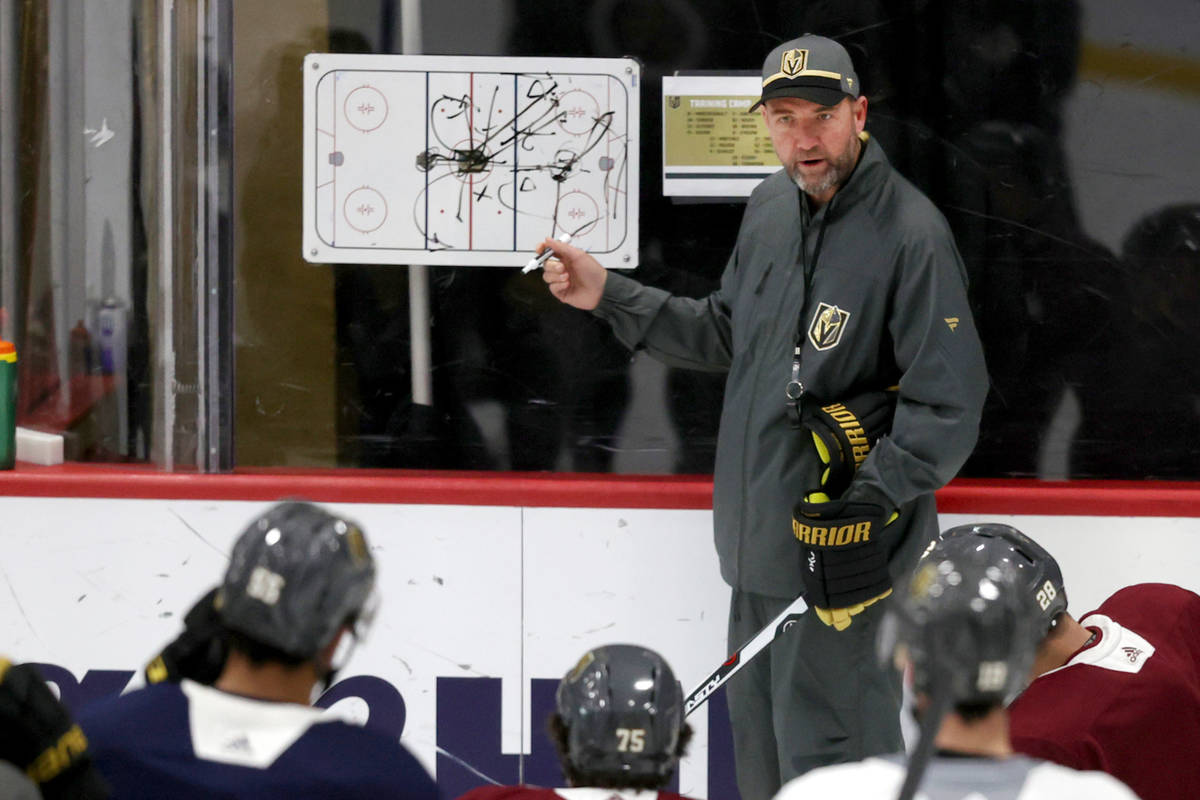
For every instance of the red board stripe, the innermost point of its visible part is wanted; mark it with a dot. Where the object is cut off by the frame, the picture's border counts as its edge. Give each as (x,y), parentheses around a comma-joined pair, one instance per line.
(964,496)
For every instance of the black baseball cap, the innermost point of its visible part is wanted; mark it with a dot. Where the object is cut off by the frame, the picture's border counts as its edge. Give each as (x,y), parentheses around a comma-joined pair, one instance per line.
(812,68)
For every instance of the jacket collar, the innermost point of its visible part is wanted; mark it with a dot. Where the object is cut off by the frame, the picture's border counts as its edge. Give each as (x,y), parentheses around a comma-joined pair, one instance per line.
(868,175)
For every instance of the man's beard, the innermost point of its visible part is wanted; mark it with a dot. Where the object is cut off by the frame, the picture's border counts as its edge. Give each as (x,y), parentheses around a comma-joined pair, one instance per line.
(836,173)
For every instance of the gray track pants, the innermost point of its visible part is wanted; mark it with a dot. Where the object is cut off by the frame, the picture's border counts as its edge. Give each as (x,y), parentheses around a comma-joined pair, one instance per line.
(816,696)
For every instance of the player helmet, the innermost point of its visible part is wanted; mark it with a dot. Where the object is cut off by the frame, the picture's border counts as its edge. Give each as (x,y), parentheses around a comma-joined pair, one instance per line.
(1037,570)
(623,710)
(297,573)
(966,623)
(1173,231)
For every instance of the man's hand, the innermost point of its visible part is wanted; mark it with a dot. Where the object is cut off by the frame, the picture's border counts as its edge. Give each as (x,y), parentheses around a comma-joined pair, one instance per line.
(574,277)
(844,433)
(844,556)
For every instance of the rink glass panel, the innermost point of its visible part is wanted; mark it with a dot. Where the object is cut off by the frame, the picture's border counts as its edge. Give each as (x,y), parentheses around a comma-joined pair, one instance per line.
(1055,137)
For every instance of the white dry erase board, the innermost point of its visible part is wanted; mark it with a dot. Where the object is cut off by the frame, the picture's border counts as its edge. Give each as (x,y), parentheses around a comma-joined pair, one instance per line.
(468,160)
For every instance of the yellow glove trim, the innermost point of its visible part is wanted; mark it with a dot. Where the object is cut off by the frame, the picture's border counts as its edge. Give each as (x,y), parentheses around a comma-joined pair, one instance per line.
(156,670)
(840,618)
(822,450)
(58,756)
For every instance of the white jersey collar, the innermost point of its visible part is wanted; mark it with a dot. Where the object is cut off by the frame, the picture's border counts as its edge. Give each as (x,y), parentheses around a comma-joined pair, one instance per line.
(232,729)
(1118,649)
(593,793)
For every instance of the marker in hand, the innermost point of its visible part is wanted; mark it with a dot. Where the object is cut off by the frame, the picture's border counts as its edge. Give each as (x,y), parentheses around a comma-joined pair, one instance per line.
(545,256)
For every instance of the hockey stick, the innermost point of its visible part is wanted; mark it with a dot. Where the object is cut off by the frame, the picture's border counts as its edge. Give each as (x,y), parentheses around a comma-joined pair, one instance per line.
(744,654)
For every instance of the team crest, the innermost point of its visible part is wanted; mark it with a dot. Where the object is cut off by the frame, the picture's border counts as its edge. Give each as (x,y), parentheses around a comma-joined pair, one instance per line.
(583,664)
(357,544)
(793,62)
(922,579)
(827,325)
(673,101)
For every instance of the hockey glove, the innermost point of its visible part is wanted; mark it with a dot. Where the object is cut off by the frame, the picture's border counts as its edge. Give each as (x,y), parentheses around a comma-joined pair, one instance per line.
(844,553)
(198,653)
(844,434)
(38,736)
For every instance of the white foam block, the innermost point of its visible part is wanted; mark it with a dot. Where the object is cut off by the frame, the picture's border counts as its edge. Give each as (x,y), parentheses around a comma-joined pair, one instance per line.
(39,447)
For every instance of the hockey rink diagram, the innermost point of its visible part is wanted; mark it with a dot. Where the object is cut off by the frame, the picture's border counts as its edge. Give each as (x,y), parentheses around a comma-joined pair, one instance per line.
(468,161)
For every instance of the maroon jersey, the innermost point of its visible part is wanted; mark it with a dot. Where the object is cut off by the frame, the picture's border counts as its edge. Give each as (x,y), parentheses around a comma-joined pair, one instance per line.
(580,793)
(1128,703)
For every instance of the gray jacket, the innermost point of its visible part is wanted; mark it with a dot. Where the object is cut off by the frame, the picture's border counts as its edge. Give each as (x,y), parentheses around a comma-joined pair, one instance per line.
(887,262)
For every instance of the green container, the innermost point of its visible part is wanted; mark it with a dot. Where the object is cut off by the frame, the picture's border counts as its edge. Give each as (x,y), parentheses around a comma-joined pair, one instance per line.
(8,405)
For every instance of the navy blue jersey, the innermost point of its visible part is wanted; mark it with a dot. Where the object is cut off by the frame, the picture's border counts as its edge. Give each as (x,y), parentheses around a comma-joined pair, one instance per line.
(190,741)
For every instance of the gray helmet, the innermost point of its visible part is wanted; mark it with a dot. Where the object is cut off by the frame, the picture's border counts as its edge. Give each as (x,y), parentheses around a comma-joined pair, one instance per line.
(1037,571)
(966,623)
(623,709)
(297,573)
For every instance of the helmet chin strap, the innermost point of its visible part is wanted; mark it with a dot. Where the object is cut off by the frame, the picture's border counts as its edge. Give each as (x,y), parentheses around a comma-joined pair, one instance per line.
(930,721)
(340,657)
(322,685)
(319,688)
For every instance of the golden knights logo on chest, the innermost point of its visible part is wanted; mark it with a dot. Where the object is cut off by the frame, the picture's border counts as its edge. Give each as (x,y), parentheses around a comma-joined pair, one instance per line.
(828,323)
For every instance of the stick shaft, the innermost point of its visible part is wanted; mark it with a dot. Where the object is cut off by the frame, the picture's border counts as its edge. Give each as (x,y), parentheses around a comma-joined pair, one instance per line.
(743,655)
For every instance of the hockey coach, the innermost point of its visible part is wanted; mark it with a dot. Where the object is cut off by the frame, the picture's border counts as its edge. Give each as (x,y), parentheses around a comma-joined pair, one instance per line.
(842,312)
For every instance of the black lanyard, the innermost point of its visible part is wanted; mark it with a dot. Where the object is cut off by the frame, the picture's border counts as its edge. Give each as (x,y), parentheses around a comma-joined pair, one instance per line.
(795,388)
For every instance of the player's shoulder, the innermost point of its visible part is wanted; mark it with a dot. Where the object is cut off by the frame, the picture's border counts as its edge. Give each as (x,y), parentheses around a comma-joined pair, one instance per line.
(510,793)
(1054,780)
(1154,610)
(342,741)
(1046,718)
(142,696)
(865,778)
(154,702)
(367,758)
(1150,596)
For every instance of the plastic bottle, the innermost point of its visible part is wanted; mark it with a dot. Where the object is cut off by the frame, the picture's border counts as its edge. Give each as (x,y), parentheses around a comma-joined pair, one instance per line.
(8,405)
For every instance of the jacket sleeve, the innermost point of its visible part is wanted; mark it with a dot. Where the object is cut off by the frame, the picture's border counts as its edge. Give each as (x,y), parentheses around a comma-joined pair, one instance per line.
(679,331)
(943,379)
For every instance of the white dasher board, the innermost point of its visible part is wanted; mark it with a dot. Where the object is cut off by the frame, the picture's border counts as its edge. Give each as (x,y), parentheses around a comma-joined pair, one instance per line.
(468,160)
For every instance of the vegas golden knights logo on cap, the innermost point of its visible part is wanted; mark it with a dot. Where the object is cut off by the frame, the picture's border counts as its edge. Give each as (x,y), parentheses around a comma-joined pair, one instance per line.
(793,62)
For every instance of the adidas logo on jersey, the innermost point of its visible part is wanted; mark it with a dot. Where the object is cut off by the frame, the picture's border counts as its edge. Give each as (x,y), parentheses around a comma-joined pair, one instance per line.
(239,744)
(1132,653)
